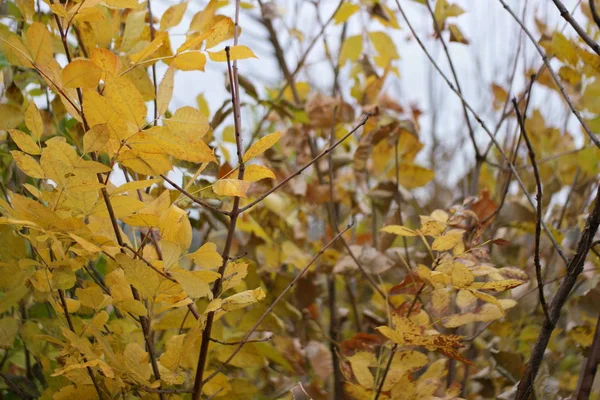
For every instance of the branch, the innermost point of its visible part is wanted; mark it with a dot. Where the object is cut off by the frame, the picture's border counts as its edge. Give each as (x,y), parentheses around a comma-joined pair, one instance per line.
(538,221)
(584,388)
(483,125)
(277,300)
(594,12)
(240,342)
(574,269)
(234,214)
(552,73)
(580,31)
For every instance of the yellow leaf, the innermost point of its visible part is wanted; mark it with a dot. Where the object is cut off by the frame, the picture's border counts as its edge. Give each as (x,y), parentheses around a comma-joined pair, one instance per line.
(126,100)
(448,240)
(140,275)
(498,286)
(175,227)
(91,14)
(195,283)
(93,297)
(206,256)
(235,272)
(81,74)
(121,205)
(399,230)
(235,53)
(487,312)
(96,138)
(243,299)
(222,30)
(489,299)
(172,16)
(255,173)
(122,3)
(351,49)
(39,43)
(231,187)
(456,35)
(219,385)
(34,121)
(24,142)
(360,363)
(582,334)
(202,20)
(180,144)
(412,175)
(133,306)
(10,116)
(386,48)
(188,120)
(432,228)
(28,164)
(263,144)
(149,50)
(105,59)
(564,49)
(165,91)
(190,61)
(135,185)
(462,276)
(134,27)
(99,110)
(8,331)
(344,12)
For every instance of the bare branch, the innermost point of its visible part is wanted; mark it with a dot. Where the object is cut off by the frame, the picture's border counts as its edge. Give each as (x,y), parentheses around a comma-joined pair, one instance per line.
(574,269)
(538,221)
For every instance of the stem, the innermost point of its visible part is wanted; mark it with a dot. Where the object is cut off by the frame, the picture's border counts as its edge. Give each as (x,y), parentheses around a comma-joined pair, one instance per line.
(234,214)
(538,221)
(574,269)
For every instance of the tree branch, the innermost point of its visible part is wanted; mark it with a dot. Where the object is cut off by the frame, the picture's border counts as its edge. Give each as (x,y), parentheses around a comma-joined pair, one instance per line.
(538,221)
(574,269)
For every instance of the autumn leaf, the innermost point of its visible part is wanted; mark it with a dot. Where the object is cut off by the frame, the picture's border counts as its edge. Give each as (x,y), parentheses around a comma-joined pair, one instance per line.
(262,145)
(235,53)
(231,187)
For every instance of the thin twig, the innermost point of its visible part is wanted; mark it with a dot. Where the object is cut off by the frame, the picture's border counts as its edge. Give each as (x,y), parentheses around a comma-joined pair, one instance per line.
(538,221)
(584,389)
(594,12)
(239,342)
(234,214)
(574,269)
